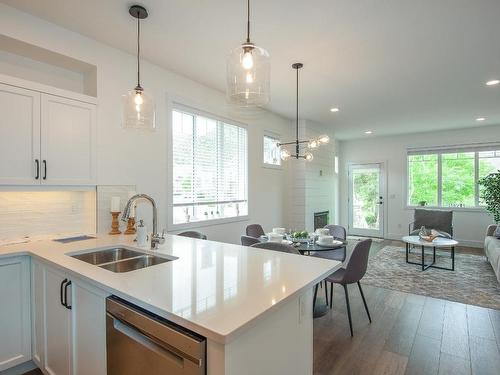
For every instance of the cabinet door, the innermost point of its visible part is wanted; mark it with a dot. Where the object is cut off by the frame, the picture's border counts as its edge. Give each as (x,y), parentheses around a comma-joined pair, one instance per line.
(57,319)
(19,136)
(15,327)
(89,329)
(68,146)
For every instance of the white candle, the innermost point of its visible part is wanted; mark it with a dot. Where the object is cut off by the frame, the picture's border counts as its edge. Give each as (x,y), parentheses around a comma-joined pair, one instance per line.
(115,204)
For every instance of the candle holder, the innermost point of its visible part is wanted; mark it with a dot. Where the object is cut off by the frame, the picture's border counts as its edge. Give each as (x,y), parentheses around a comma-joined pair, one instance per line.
(130,226)
(115,225)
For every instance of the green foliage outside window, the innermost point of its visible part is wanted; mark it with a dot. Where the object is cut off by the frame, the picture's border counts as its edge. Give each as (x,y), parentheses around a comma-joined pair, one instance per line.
(458,178)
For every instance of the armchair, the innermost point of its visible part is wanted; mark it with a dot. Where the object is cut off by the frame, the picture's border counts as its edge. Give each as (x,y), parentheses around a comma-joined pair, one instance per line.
(439,220)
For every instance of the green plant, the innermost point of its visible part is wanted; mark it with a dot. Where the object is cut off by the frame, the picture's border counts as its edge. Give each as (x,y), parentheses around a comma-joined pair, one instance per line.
(491,194)
(370,219)
(422,203)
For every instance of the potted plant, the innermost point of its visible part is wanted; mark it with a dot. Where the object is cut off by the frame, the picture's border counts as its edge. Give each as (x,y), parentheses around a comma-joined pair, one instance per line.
(422,203)
(491,194)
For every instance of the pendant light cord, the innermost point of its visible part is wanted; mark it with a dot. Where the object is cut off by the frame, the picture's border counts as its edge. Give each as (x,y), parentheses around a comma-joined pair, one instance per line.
(297,119)
(248,21)
(138,52)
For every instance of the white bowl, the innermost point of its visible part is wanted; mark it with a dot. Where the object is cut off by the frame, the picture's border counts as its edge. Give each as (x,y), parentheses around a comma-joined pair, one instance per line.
(274,237)
(322,232)
(325,240)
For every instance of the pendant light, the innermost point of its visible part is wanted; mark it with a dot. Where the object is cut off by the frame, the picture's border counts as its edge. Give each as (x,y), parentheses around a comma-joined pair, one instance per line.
(139,111)
(248,73)
(311,143)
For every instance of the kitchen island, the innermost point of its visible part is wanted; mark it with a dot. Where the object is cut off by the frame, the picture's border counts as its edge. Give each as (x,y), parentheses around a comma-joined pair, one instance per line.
(253,306)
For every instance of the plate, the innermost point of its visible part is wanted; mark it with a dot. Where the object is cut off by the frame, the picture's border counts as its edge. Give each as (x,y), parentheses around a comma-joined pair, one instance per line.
(287,242)
(333,243)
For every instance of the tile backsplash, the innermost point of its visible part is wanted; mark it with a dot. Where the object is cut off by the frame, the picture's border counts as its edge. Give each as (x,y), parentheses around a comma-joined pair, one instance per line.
(40,213)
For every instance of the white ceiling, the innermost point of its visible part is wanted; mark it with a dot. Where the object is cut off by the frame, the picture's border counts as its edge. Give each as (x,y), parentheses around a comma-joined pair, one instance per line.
(392,66)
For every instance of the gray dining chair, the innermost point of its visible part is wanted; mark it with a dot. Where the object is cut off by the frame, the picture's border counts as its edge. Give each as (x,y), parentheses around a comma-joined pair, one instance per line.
(339,233)
(193,234)
(249,241)
(255,230)
(276,246)
(352,273)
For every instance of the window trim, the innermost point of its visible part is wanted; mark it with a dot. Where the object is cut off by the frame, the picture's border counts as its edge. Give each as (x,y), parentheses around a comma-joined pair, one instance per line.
(439,150)
(178,105)
(270,134)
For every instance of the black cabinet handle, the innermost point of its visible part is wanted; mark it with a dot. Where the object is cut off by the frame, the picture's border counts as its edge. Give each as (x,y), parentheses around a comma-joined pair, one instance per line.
(61,292)
(44,169)
(66,295)
(37,162)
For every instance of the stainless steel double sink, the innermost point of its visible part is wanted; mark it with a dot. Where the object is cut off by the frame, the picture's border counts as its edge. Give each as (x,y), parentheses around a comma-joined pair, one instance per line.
(121,259)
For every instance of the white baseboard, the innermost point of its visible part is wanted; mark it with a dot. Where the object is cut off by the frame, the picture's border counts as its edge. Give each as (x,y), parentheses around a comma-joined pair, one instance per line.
(468,243)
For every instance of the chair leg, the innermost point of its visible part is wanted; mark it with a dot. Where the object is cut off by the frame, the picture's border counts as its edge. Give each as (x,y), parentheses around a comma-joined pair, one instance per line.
(315,294)
(364,302)
(331,295)
(348,308)
(326,293)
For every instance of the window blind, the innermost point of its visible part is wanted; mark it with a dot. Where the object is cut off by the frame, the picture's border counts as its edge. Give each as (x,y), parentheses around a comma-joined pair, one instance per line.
(209,167)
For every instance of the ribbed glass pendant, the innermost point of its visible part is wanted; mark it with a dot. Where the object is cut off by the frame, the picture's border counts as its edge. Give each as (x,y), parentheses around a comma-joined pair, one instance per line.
(139,107)
(248,73)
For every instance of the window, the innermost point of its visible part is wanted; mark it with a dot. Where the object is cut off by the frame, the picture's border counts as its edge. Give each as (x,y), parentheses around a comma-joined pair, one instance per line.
(448,177)
(271,150)
(209,168)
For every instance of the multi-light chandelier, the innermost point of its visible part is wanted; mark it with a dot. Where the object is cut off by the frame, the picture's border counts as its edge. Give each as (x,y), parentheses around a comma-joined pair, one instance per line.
(248,73)
(311,143)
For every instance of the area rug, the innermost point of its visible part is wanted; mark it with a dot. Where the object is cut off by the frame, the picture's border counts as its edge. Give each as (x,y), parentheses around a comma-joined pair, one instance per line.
(473,282)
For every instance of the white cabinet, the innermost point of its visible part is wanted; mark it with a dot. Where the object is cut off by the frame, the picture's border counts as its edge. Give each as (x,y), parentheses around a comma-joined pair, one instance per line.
(68,131)
(46,139)
(57,321)
(19,136)
(69,323)
(15,328)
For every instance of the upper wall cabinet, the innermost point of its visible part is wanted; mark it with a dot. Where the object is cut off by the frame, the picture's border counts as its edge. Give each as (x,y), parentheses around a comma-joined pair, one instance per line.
(68,130)
(46,139)
(19,136)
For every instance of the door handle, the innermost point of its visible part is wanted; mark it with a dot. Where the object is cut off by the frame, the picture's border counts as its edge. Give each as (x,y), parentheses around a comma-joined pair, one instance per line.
(44,169)
(66,295)
(61,296)
(37,162)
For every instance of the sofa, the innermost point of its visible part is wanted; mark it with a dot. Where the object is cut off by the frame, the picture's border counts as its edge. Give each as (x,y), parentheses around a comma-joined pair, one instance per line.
(492,250)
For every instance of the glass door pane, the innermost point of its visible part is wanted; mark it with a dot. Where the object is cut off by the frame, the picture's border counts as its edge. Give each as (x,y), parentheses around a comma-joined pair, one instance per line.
(366,199)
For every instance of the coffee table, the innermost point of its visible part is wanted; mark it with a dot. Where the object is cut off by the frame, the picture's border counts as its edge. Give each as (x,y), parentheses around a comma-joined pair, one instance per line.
(439,242)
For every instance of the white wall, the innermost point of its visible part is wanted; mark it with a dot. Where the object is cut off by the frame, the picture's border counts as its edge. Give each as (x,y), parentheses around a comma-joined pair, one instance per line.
(129,158)
(469,226)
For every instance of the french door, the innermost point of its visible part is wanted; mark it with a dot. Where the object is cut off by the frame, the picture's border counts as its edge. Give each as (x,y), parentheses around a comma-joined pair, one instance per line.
(366,199)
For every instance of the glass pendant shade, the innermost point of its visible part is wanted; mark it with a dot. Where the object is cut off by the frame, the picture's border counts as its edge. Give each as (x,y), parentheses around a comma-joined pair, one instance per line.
(139,111)
(248,76)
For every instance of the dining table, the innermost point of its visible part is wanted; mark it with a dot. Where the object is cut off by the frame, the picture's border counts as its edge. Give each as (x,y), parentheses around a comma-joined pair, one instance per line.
(307,248)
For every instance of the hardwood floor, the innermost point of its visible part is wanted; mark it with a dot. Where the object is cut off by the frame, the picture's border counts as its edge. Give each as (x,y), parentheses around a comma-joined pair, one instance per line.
(410,334)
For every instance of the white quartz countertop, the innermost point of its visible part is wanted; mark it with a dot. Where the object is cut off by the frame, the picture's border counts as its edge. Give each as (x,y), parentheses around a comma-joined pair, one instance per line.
(215,289)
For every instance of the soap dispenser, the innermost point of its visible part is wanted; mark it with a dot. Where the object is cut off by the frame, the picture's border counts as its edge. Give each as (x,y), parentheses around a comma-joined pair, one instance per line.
(142,234)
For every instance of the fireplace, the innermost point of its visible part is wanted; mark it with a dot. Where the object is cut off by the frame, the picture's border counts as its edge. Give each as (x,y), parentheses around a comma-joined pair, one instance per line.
(320,219)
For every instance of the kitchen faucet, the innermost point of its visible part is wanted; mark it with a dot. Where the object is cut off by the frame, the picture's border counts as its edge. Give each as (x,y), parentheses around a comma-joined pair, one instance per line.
(156,239)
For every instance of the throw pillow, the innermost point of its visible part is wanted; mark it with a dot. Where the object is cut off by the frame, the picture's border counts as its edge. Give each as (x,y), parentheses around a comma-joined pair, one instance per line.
(497,232)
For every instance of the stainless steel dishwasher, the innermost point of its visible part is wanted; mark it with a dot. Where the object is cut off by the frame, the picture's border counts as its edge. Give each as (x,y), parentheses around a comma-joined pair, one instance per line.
(139,342)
